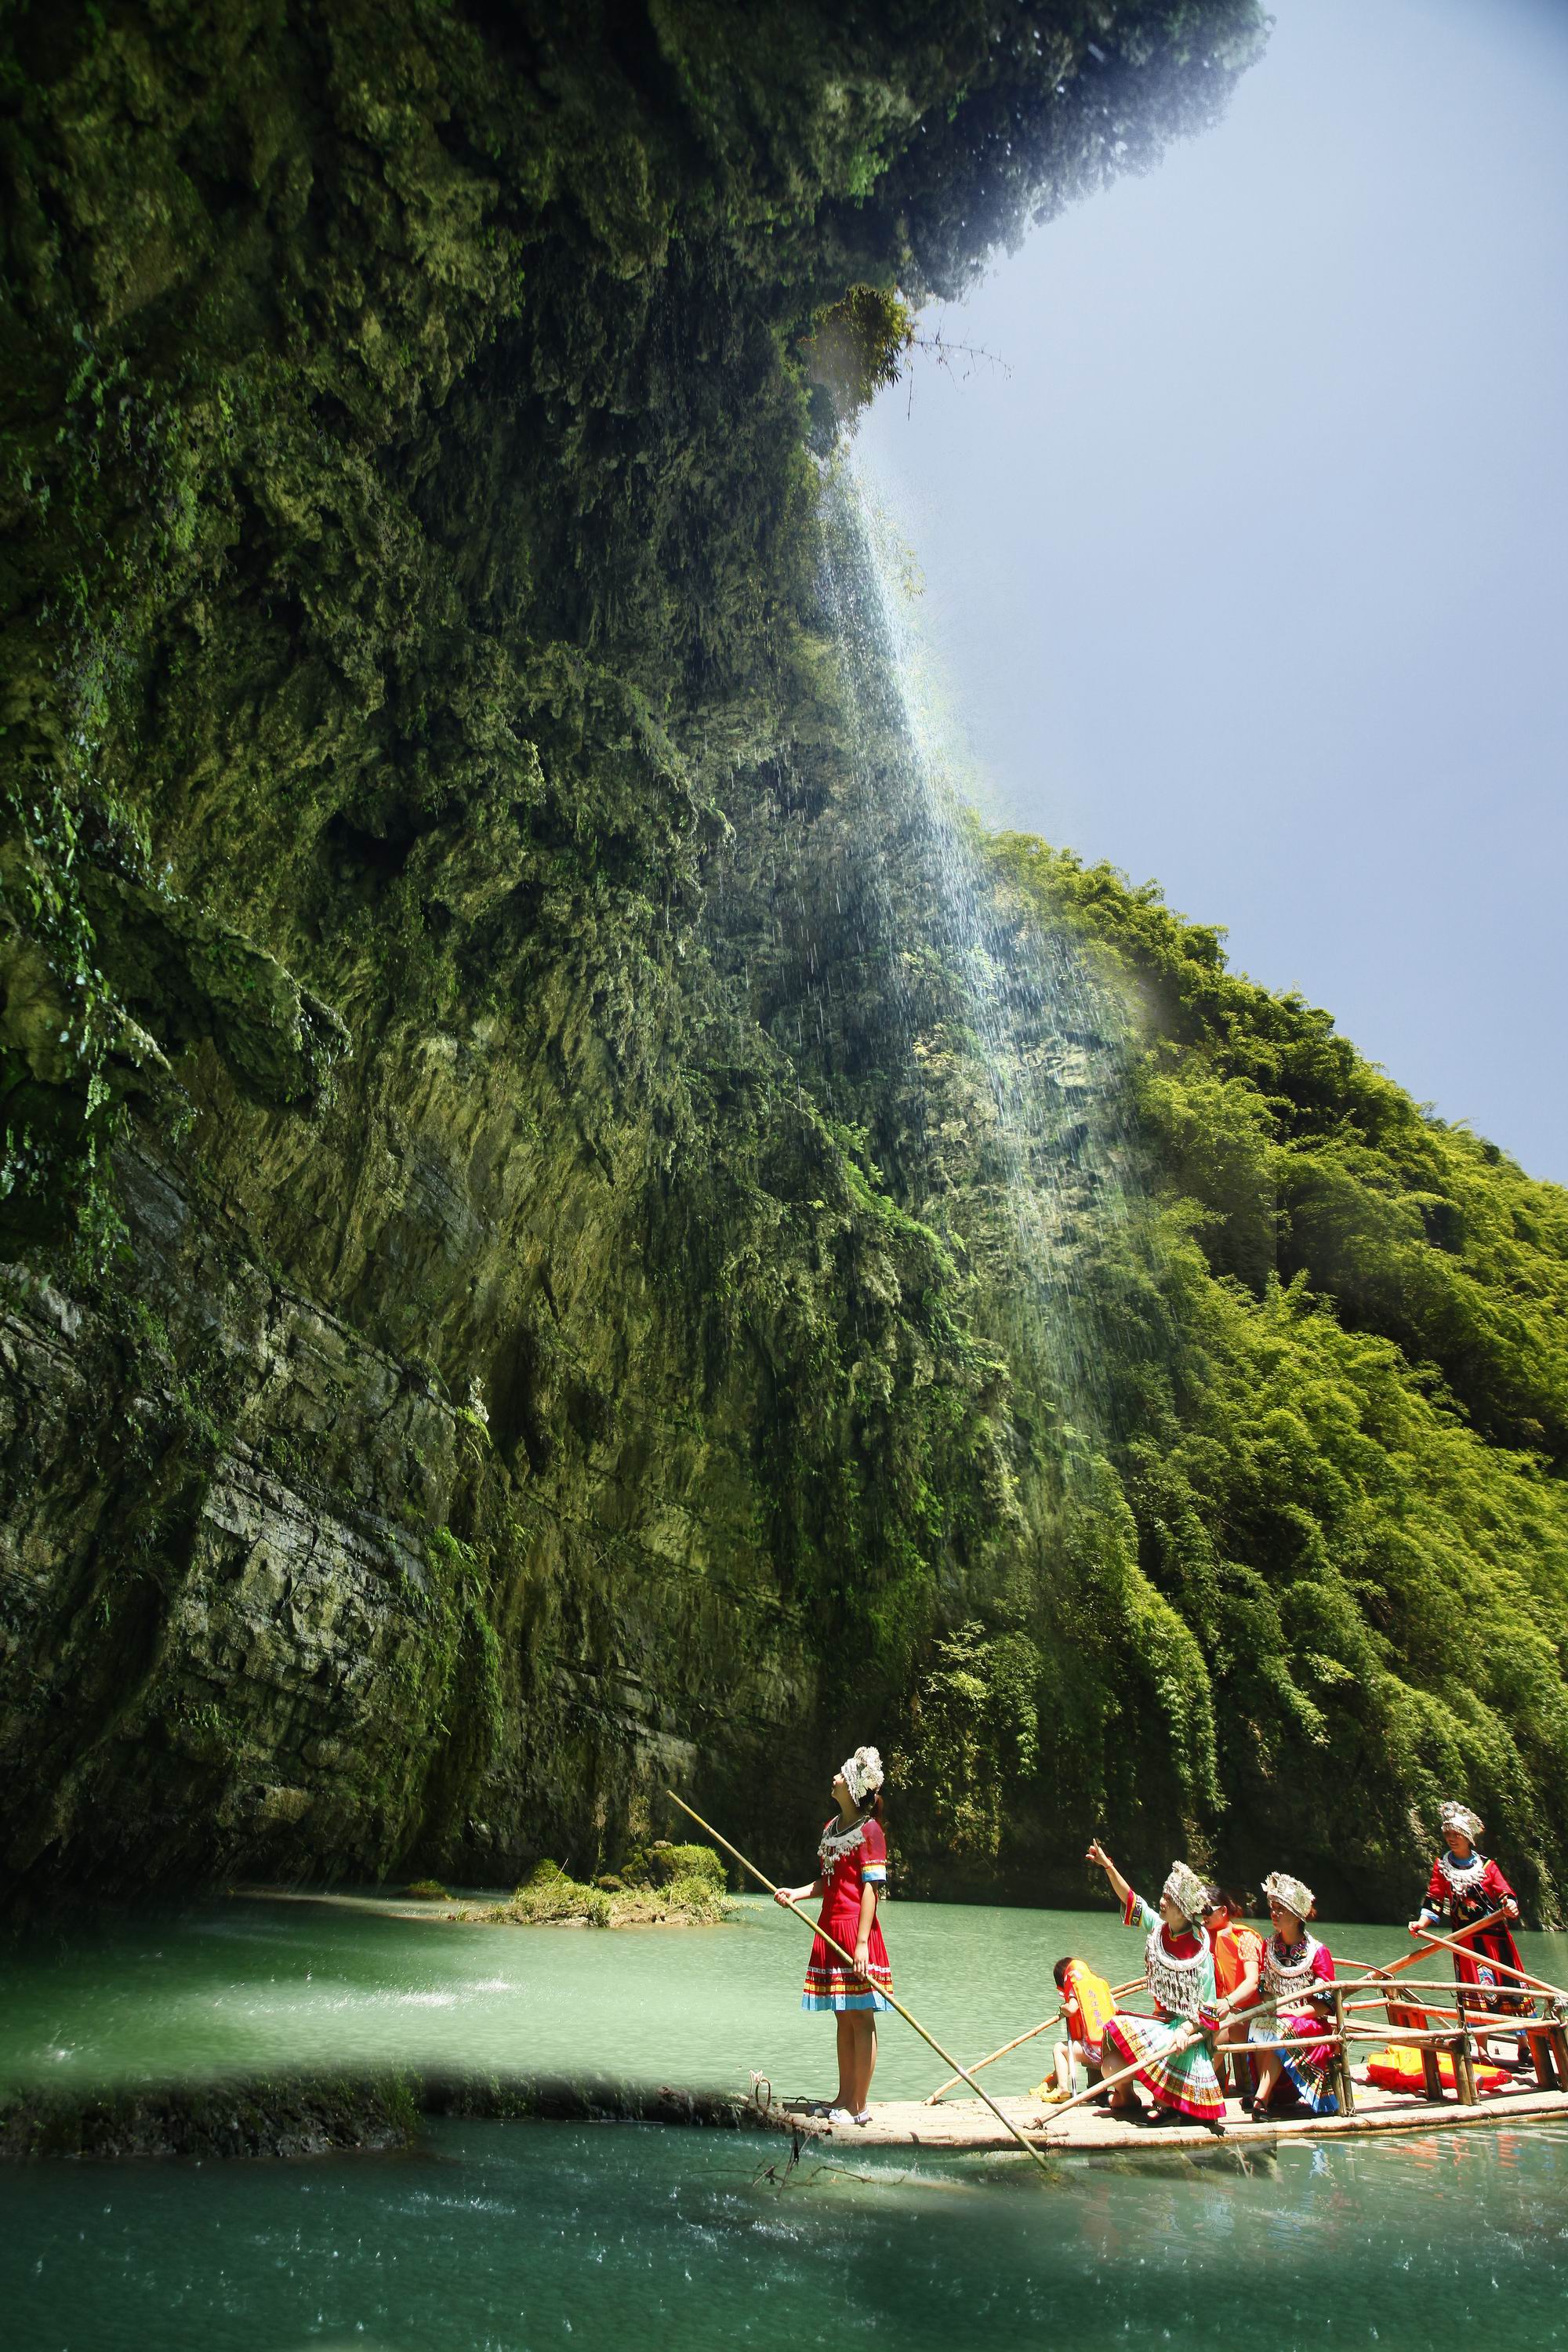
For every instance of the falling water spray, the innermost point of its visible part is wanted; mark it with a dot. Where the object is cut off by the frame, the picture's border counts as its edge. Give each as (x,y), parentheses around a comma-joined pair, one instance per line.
(1015,1048)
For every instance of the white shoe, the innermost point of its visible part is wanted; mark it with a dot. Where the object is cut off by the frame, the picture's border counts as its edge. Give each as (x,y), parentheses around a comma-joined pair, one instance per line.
(840,2115)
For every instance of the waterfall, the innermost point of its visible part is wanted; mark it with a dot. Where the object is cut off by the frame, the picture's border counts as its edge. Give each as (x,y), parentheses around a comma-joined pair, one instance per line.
(1015,1048)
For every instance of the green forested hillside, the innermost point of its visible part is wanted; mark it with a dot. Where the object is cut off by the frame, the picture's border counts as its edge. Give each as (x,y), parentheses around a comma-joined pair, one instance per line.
(1344,1456)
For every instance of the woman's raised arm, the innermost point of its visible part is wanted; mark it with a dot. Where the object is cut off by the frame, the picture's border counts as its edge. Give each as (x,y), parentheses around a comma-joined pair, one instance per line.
(1119,1886)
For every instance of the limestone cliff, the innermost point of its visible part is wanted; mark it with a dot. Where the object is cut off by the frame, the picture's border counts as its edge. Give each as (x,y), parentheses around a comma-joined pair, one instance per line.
(507,1294)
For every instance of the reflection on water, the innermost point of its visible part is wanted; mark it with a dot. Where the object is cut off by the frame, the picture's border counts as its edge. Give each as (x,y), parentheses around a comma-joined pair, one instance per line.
(501,2238)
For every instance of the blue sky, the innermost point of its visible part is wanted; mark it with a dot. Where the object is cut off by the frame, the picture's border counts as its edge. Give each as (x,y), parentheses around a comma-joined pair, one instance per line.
(1248,574)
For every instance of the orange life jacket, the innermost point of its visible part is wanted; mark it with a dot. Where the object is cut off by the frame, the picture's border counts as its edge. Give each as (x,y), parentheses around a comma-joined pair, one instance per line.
(1090,2005)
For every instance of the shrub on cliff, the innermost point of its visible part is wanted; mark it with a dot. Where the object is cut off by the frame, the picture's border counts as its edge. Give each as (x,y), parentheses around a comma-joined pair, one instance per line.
(856,346)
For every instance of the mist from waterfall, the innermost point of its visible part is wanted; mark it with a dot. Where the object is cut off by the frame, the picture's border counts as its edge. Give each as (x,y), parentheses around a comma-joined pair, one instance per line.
(1016,1047)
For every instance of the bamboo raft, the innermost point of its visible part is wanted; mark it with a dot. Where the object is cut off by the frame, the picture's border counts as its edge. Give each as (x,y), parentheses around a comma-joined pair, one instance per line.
(1081,2126)
(1450,2032)
(1447,2032)
(963,2126)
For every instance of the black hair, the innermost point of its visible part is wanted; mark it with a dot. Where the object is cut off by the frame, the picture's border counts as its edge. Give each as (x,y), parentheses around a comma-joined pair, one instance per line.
(871,1806)
(1058,1974)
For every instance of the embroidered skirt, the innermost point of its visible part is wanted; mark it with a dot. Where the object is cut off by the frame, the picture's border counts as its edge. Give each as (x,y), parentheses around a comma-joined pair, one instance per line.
(832,1983)
(1183,2080)
(1474,1966)
(1307,2069)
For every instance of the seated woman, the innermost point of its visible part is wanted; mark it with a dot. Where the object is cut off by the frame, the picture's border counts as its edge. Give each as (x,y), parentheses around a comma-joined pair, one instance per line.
(1237,1967)
(1295,1967)
(1178,1969)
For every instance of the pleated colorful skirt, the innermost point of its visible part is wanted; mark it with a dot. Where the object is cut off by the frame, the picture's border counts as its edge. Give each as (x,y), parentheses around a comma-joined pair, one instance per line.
(831,1983)
(1307,2070)
(1183,2080)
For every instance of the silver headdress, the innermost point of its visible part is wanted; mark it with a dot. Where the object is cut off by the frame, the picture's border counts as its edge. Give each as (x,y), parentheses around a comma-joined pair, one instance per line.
(862,1773)
(1280,1887)
(1452,1816)
(1186,1891)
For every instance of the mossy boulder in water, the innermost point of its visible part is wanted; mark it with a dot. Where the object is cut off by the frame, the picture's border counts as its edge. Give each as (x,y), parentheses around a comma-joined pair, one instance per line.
(690,1895)
(702,1863)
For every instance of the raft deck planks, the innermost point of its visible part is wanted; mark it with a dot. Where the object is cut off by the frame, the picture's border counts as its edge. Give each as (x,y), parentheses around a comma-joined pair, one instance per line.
(957,2125)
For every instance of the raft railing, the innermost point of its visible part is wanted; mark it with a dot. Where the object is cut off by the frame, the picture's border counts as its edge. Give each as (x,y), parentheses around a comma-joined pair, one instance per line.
(1459,2032)
(1458,2035)
(1463,2027)
(1536,2017)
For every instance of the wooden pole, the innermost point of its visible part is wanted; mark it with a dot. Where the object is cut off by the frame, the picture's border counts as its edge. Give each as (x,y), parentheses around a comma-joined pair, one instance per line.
(1397,1967)
(1110,2082)
(1451,1945)
(1132,1985)
(945,2055)
(991,2057)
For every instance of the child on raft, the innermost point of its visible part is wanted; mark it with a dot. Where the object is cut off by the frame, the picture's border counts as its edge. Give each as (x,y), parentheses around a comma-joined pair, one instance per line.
(1296,1969)
(1178,2073)
(1088,2006)
(853,1854)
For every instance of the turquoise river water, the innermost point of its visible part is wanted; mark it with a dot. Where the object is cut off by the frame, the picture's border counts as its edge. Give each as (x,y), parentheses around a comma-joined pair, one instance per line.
(517,2235)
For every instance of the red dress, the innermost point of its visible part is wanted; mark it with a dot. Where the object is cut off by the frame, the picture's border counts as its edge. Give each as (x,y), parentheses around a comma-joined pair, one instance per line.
(849,1859)
(1470,1890)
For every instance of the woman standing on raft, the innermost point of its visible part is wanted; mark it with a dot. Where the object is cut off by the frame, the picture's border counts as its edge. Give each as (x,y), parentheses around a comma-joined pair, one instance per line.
(1296,1967)
(1468,1887)
(1179,1971)
(853,1852)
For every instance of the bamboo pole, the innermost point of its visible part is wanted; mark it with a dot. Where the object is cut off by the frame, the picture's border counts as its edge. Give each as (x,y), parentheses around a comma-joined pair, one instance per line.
(1397,1967)
(1411,1984)
(931,2098)
(1171,2049)
(945,2055)
(1501,1967)
(1328,2038)
(1110,2082)
(1426,2008)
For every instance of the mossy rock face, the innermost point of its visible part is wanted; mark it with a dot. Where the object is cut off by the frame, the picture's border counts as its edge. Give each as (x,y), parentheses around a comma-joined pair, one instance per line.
(487,1328)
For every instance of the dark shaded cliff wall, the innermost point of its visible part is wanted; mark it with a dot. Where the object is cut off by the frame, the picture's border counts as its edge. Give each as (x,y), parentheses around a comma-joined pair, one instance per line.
(469,1352)
(431,1302)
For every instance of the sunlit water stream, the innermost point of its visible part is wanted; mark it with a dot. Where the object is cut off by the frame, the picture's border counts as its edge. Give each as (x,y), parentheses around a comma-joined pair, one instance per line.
(517,2235)
(1041,1036)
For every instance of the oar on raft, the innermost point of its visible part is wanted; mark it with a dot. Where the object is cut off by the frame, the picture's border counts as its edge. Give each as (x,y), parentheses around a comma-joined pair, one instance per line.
(945,2055)
(1174,2049)
(1397,1967)
(1133,1984)
(1500,1967)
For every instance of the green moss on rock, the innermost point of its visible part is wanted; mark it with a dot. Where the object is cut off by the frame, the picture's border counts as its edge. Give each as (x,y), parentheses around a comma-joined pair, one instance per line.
(510,1293)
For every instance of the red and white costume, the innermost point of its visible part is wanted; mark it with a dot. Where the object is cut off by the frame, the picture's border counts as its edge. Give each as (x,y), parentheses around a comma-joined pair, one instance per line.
(851,1859)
